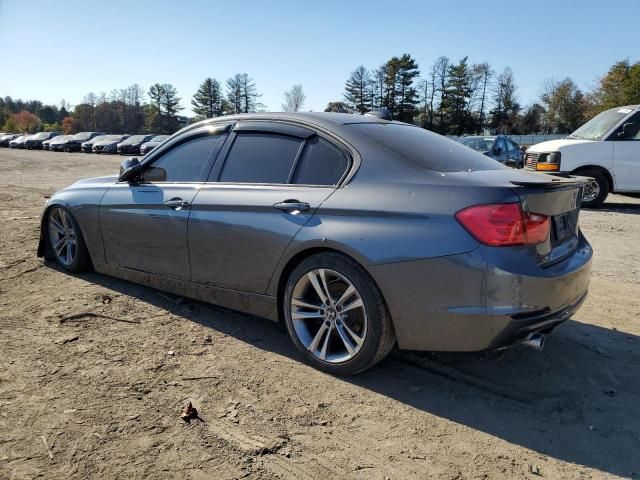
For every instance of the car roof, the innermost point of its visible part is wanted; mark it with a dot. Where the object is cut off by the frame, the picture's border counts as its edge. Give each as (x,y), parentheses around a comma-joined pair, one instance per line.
(322,119)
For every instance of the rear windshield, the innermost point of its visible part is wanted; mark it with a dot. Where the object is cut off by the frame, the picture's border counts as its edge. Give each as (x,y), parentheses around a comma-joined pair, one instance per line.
(433,151)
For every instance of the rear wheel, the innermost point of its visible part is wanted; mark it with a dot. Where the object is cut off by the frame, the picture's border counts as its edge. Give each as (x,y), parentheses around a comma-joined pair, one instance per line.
(336,316)
(66,245)
(596,190)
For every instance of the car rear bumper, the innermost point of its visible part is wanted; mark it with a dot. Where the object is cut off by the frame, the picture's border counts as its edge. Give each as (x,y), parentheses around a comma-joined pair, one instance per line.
(467,302)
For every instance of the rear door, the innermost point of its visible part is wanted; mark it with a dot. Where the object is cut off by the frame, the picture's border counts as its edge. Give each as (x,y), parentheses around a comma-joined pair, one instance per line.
(268,185)
(144,224)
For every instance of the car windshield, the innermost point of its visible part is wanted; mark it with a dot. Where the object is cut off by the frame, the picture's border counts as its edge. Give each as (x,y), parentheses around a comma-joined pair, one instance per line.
(432,151)
(82,136)
(135,139)
(99,138)
(600,125)
(481,144)
(41,135)
(159,138)
(112,138)
(59,137)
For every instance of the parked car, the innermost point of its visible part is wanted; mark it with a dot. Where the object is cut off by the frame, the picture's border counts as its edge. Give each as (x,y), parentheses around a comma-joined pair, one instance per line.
(19,141)
(59,143)
(45,143)
(6,138)
(108,143)
(131,146)
(606,148)
(87,147)
(153,143)
(498,147)
(35,141)
(358,233)
(74,144)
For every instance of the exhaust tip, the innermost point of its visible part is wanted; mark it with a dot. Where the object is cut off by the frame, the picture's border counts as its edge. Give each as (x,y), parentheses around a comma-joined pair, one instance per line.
(535,340)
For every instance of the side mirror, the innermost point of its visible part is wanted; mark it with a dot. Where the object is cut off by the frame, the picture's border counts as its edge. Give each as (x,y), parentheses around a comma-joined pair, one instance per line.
(128,169)
(629,130)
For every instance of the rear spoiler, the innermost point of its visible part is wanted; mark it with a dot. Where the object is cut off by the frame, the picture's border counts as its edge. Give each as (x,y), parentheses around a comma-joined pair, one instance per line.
(554,180)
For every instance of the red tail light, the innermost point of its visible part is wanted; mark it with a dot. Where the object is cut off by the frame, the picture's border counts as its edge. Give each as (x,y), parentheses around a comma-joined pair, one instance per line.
(504,224)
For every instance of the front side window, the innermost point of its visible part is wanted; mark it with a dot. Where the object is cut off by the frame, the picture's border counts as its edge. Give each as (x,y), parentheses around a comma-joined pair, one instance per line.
(185,162)
(260,158)
(629,130)
(321,164)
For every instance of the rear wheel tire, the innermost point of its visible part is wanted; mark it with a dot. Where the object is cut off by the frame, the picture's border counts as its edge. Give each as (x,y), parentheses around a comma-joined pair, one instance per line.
(596,190)
(66,244)
(336,316)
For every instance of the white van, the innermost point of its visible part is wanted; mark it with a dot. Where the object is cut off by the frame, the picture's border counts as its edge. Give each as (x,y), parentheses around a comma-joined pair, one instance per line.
(606,148)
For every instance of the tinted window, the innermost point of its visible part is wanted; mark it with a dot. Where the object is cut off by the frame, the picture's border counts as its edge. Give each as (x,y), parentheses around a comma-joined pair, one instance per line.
(432,151)
(510,146)
(500,144)
(321,164)
(185,162)
(260,158)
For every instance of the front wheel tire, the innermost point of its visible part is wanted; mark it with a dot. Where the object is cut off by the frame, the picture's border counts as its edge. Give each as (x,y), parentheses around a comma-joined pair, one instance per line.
(336,316)
(66,244)
(596,190)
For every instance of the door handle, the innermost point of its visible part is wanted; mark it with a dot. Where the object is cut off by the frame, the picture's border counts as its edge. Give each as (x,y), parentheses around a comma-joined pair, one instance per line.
(176,203)
(292,206)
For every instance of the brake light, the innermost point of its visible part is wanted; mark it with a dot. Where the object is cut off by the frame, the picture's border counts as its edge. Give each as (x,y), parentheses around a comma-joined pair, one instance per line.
(504,224)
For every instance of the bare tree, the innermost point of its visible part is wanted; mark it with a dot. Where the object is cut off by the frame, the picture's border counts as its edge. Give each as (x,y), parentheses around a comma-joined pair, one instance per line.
(293,99)
(440,74)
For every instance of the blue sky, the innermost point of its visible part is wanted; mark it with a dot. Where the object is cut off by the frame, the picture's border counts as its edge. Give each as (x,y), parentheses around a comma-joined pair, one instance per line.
(65,49)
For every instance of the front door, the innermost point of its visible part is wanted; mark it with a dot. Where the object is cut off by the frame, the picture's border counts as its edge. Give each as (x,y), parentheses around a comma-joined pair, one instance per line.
(626,155)
(144,224)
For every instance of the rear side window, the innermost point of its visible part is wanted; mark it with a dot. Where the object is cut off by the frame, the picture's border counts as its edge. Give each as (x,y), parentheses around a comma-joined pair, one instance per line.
(260,158)
(430,150)
(185,162)
(321,164)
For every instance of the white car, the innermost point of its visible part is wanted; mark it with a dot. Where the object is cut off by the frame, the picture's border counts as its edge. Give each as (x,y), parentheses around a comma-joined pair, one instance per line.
(606,148)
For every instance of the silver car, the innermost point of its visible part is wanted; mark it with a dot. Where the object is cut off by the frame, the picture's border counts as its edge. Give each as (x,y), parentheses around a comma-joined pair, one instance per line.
(357,232)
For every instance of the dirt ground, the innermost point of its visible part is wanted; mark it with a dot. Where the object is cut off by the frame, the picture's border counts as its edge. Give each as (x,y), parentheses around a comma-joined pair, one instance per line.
(94,372)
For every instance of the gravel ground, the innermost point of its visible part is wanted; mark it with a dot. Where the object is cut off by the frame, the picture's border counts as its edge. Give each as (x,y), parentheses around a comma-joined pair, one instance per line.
(94,372)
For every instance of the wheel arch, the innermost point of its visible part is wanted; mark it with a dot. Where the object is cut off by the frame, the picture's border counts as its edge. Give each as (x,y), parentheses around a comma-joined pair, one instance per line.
(299,257)
(44,233)
(599,168)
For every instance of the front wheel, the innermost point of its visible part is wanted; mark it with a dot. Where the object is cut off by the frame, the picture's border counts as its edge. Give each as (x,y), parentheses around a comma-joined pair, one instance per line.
(336,316)
(596,190)
(66,244)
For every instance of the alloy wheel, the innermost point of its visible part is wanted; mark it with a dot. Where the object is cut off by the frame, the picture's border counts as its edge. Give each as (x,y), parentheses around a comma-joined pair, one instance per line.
(63,236)
(328,315)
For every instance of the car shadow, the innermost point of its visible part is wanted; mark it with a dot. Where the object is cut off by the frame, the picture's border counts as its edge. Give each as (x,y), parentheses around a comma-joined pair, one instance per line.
(577,401)
(615,207)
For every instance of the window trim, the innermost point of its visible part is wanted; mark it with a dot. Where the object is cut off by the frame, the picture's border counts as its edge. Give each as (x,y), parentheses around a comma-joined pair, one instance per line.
(275,127)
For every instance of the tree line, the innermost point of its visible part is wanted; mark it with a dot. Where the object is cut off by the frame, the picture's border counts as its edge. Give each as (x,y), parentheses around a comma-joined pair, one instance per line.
(451,98)
(131,109)
(456,98)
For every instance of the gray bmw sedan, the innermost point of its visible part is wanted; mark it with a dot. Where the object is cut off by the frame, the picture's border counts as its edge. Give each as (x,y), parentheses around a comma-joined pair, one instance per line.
(357,232)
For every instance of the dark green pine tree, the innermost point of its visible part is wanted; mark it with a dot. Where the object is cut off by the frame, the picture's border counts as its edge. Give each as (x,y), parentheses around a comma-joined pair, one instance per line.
(208,100)
(457,95)
(400,94)
(357,90)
